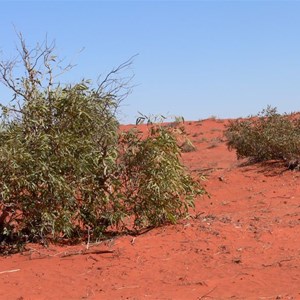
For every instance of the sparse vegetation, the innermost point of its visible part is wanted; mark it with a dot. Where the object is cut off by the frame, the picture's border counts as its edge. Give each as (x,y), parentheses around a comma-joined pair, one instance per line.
(66,172)
(188,146)
(214,142)
(157,188)
(179,119)
(267,136)
(178,122)
(213,118)
(202,140)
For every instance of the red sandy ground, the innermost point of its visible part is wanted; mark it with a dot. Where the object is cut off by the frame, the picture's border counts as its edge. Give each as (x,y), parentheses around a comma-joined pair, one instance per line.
(242,243)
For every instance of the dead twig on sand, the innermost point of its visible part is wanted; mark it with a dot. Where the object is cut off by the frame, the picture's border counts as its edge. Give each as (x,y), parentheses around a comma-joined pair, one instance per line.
(278,262)
(10,271)
(206,295)
(85,252)
(64,254)
(128,287)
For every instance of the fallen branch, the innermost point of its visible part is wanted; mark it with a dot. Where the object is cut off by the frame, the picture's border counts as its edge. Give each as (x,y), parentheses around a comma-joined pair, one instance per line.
(85,252)
(128,287)
(278,262)
(206,295)
(70,253)
(10,271)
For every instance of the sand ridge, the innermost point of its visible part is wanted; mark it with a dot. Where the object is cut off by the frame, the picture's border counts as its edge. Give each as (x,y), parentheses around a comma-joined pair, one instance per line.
(242,242)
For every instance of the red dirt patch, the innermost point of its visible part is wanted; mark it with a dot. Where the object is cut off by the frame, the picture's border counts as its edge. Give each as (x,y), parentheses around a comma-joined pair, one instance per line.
(242,243)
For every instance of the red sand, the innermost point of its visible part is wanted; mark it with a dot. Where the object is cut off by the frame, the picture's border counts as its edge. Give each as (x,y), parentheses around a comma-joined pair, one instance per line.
(242,243)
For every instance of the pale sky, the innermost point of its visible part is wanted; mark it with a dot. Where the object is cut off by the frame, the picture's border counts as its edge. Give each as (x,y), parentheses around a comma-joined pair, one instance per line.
(196,58)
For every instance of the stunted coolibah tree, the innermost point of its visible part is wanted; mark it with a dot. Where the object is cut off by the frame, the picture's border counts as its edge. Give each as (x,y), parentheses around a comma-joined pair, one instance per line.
(65,169)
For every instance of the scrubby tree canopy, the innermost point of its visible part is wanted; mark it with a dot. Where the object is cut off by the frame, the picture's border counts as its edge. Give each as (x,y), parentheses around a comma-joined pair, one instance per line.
(66,170)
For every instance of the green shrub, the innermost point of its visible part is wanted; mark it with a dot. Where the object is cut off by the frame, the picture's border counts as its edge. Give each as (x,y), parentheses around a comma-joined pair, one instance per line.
(55,162)
(65,168)
(268,136)
(158,188)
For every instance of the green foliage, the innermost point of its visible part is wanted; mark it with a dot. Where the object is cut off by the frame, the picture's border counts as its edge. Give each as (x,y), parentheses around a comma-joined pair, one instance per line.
(267,136)
(66,169)
(55,161)
(158,188)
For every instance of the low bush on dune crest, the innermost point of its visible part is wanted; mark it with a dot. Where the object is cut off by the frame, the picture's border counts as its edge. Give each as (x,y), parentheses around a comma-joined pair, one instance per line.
(66,170)
(157,187)
(267,136)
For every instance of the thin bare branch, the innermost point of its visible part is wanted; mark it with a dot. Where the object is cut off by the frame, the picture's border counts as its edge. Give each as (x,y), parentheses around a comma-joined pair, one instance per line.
(113,85)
